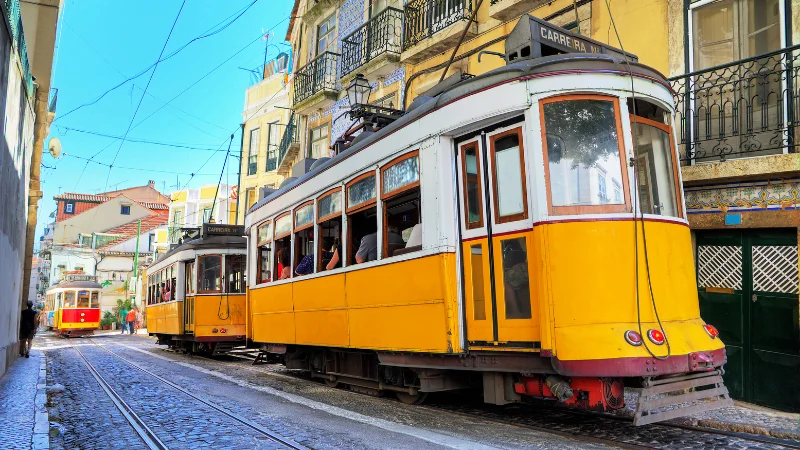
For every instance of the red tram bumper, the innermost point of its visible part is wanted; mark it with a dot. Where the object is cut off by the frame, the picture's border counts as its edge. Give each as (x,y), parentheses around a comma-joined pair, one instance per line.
(640,366)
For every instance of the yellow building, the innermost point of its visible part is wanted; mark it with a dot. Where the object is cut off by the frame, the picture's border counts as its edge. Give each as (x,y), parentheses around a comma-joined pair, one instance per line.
(269,145)
(191,208)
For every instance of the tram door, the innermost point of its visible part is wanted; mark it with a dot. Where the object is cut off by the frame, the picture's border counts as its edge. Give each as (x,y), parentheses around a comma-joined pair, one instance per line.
(496,241)
(188,302)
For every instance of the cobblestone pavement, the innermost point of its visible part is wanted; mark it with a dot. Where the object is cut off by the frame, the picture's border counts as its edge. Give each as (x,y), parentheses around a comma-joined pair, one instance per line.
(18,389)
(345,420)
(277,377)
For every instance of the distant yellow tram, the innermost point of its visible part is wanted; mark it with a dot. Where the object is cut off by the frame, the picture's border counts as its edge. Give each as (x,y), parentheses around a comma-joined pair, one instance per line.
(196,299)
(72,307)
(522,230)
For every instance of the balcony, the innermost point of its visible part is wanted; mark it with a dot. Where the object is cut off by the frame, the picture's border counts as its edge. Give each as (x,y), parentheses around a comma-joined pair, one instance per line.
(425,18)
(18,37)
(509,9)
(739,110)
(289,146)
(316,82)
(373,49)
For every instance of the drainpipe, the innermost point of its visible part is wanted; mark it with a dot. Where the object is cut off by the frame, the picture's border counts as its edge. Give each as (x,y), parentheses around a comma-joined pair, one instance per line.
(40,130)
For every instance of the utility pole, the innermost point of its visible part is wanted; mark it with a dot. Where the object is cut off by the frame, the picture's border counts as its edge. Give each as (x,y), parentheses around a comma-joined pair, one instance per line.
(136,262)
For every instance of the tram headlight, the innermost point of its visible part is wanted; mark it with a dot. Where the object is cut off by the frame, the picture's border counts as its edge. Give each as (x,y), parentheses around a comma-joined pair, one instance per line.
(633,338)
(656,337)
(711,330)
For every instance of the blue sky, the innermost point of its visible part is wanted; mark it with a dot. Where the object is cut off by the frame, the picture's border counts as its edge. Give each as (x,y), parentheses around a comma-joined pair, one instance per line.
(102,42)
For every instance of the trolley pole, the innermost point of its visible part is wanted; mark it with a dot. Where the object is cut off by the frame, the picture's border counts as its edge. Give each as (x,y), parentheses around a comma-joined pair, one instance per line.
(136,262)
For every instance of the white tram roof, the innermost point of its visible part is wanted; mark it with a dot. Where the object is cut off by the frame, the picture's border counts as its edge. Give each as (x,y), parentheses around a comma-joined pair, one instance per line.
(189,249)
(441,95)
(75,285)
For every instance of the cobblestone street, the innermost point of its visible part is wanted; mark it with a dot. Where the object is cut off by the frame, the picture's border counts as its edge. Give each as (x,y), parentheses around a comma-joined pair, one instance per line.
(300,412)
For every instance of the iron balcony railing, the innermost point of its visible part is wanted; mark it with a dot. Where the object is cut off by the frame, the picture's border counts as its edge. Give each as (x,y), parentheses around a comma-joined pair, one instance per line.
(18,36)
(380,34)
(315,76)
(176,235)
(423,18)
(290,136)
(742,109)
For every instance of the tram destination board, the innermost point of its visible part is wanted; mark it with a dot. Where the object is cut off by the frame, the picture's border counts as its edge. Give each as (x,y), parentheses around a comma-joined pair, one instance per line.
(535,38)
(210,229)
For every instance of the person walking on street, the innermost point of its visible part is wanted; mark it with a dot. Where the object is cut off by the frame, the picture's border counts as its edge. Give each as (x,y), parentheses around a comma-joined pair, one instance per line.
(27,329)
(123,314)
(138,320)
(131,319)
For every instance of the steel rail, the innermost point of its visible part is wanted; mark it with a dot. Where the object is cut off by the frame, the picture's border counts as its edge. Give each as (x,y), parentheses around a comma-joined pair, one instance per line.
(145,433)
(268,433)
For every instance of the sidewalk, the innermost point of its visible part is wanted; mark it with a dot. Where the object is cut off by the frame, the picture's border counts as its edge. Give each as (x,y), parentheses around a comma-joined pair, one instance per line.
(23,412)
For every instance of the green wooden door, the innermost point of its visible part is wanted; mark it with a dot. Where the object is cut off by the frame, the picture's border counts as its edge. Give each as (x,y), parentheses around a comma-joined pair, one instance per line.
(748,286)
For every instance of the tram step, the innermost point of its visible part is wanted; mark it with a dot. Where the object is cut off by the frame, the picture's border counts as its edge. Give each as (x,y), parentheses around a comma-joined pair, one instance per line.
(669,398)
(222,348)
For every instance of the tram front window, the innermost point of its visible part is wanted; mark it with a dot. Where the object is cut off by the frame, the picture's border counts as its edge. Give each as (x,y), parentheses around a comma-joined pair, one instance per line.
(583,154)
(234,268)
(209,268)
(69,299)
(83,299)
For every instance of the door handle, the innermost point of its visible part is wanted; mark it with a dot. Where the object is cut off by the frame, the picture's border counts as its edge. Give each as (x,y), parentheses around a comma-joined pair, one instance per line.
(754,298)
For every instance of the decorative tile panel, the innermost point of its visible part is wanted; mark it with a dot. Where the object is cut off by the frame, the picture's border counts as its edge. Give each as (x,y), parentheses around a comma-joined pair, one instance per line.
(755,196)
(775,269)
(719,266)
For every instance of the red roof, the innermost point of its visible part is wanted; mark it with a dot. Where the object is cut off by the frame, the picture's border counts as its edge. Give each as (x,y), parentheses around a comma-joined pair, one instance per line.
(151,205)
(82,197)
(128,230)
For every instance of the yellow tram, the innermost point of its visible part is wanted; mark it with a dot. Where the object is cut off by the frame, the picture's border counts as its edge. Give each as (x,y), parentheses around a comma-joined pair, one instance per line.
(525,232)
(196,298)
(72,307)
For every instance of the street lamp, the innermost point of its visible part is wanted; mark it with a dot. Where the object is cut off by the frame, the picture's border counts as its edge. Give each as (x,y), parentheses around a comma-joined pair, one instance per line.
(358,91)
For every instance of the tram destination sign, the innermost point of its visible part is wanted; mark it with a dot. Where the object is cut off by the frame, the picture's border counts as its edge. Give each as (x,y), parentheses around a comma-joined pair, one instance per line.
(210,229)
(535,38)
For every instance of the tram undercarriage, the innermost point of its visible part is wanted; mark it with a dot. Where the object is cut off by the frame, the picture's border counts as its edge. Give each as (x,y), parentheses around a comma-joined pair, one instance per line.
(504,379)
(200,346)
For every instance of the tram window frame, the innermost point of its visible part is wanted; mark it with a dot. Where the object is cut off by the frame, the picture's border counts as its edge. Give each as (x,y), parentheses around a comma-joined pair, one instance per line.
(303,234)
(280,245)
(201,274)
(352,211)
(232,263)
(190,284)
(399,193)
(173,276)
(518,131)
(264,250)
(78,298)
(321,224)
(94,299)
(625,207)
(74,299)
(470,225)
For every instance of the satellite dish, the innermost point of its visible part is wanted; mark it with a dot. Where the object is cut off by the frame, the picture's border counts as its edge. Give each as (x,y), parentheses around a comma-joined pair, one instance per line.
(54,147)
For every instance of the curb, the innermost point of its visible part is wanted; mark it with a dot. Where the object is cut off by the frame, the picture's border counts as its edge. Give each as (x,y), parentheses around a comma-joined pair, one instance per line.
(741,428)
(41,428)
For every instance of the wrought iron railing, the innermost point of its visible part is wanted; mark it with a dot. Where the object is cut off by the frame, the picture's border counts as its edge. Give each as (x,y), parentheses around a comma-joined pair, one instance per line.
(290,136)
(315,76)
(176,235)
(742,109)
(18,35)
(423,18)
(53,100)
(380,34)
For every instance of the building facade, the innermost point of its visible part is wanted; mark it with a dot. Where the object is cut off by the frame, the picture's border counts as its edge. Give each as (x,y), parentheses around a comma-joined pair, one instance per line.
(27,38)
(191,208)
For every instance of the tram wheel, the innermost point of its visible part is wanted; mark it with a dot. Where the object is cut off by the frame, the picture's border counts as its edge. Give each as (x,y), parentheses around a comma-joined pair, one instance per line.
(412,399)
(331,383)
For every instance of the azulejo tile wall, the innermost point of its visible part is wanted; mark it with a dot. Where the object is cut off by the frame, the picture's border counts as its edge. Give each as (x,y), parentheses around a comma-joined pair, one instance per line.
(754,196)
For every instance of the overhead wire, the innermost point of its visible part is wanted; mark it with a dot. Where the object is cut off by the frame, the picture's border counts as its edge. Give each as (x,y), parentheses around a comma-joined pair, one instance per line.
(138,140)
(636,206)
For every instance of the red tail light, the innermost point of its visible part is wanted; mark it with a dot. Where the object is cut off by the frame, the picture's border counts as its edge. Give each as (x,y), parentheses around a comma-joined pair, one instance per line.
(633,338)
(656,336)
(223,330)
(711,330)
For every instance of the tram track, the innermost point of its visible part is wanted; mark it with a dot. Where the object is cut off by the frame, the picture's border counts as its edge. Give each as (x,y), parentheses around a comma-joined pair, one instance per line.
(147,435)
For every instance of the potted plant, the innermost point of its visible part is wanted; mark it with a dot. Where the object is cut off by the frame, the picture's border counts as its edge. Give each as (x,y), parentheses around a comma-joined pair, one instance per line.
(107,320)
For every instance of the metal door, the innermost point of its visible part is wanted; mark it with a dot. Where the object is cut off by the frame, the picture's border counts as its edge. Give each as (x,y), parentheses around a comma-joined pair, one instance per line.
(748,288)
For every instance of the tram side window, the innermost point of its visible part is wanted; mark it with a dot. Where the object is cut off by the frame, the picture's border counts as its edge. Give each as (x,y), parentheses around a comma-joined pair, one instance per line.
(656,165)
(69,299)
(59,299)
(83,299)
(235,273)
(329,219)
(95,303)
(362,220)
(209,268)
(516,283)
(173,278)
(189,279)
(583,146)
(510,192)
(264,252)
(304,239)
(400,193)
(283,247)
(470,160)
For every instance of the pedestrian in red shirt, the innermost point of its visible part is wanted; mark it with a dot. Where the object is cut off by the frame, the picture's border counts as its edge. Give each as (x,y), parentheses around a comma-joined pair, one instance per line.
(131,319)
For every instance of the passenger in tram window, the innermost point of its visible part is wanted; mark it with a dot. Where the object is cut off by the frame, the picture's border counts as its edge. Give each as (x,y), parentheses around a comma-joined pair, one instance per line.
(284,268)
(168,292)
(330,257)
(306,266)
(368,250)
